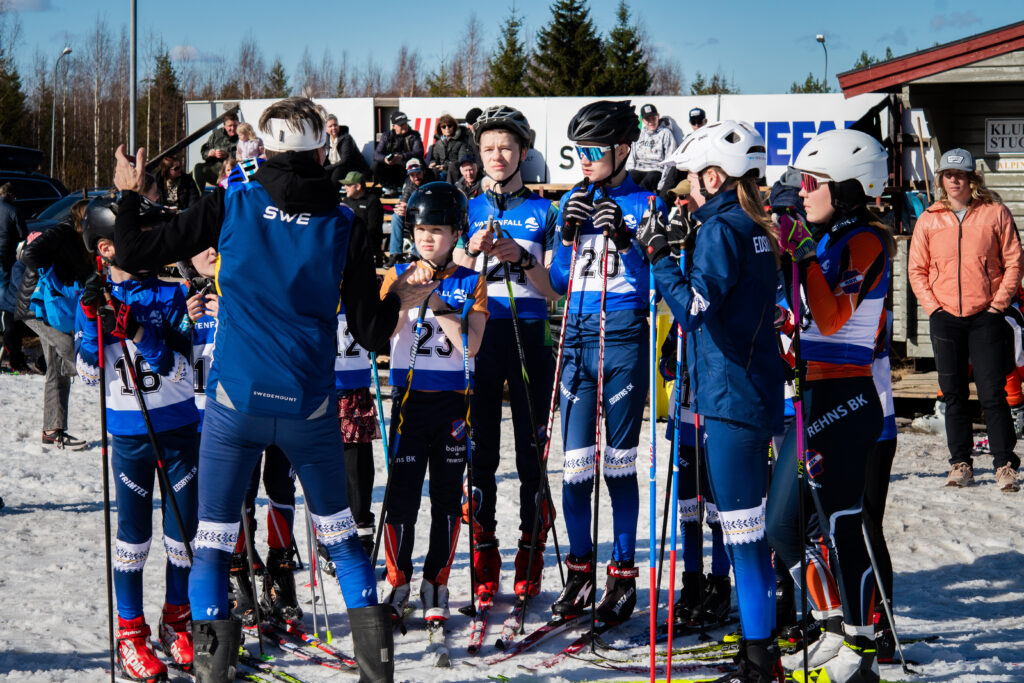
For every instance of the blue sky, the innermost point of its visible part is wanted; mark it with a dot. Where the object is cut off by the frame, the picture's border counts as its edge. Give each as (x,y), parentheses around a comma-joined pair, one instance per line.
(762,46)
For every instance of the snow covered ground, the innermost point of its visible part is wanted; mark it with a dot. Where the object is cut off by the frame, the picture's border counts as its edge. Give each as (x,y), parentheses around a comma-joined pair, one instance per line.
(957,556)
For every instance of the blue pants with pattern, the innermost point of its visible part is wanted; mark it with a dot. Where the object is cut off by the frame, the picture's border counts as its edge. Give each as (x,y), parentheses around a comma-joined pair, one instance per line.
(230,448)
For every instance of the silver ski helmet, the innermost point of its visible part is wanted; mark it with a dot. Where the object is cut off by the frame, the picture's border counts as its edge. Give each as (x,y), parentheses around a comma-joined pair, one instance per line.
(502,117)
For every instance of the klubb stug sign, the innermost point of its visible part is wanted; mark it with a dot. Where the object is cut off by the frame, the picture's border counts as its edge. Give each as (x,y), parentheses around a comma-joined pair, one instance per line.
(1004,136)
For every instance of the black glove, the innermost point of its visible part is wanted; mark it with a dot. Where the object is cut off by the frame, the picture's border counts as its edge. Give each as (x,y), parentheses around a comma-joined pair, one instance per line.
(608,219)
(118,320)
(682,232)
(94,295)
(577,210)
(652,234)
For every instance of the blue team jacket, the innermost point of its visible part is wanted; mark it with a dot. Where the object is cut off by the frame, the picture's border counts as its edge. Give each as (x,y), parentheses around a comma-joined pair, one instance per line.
(727,298)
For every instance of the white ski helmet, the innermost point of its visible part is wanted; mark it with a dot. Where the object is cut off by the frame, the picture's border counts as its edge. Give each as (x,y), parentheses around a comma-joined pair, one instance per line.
(734,146)
(281,135)
(846,154)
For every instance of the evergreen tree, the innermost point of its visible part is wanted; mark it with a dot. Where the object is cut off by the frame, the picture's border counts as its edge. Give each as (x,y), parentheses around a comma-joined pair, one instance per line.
(811,85)
(439,83)
(277,80)
(13,115)
(628,69)
(718,84)
(569,55)
(866,60)
(506,69)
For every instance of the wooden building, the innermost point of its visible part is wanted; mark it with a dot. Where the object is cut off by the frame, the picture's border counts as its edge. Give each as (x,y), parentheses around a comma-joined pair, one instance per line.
(968,93)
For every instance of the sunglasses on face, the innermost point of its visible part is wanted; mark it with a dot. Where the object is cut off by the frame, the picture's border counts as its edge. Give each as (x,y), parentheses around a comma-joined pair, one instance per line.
(695,121)
(592,153)
(808,182)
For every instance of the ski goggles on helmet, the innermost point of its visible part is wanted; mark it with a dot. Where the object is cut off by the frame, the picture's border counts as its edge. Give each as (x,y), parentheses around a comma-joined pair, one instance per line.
(810,183)
(592,152)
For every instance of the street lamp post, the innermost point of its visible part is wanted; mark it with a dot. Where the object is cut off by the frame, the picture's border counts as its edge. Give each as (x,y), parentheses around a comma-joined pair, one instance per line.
(821,39)
(53,109)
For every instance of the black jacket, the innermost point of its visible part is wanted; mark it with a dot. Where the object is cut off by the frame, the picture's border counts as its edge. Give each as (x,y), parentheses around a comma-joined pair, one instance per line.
(188,192)
(408,146)
(297,184)
(447,152)
(349,157)
(12,231)
(60,247)
(369,208)
(471,191)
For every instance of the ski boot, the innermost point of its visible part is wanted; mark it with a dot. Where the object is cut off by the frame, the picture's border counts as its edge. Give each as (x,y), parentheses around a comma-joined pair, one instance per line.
(619,597)
(175,631)
(373,641)
(1017,413)
(785,606)
(323,556)
(885,643)
(279,585)
(756,662)
(717,599)
(855,663)
(216,650)
(398,602)
(686,609)
(135,656)
(578,593)
(522,566)
(434,597)
(242,597)
(486,565)
(824,648)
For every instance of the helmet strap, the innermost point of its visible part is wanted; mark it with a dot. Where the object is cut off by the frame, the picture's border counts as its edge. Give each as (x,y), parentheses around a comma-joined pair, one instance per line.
(616,169)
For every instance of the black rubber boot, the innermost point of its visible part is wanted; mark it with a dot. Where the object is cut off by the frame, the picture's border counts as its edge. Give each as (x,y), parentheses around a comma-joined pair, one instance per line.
(578,593)
(215,644)
(373,640)
(279,586)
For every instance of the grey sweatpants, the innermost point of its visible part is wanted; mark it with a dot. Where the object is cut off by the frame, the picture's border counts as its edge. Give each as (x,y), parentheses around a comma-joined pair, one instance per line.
(59,352)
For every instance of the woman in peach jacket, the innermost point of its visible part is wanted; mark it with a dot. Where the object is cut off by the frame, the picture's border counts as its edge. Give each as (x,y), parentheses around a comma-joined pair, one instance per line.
(965,268)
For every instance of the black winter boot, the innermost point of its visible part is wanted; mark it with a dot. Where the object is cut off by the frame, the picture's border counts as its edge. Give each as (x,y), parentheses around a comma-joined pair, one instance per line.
(279,585)
(685,610)
(619,597)
(578,593)
(373,640)
(215,646)
(242,598)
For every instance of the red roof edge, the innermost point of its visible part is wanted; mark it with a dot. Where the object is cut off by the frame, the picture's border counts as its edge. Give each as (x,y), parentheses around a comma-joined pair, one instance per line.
(894,72)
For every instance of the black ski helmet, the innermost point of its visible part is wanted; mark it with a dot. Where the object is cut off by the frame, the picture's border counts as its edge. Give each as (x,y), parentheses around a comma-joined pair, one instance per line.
(605,123)
(438,203)
(101,214)
(501,117)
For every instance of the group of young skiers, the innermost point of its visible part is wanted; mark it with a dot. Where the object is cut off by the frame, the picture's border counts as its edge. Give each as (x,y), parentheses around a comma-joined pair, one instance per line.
(267,351)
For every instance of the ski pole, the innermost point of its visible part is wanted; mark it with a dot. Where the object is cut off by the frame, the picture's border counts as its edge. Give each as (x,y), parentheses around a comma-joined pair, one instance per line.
(413,352)
(380,410)
(676,432)
(165,482)
(544,497)
(317,567)
(597,437)
(558,365)
(469,456)
(105,464)
(885,599)
(247,535)
(311,544)
(295,549)
(664,521)
(798,412)
(671,504)
(652,481)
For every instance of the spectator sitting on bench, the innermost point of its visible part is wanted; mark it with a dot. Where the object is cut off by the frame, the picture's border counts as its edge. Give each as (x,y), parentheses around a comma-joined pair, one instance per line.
(397,147)
(221,146)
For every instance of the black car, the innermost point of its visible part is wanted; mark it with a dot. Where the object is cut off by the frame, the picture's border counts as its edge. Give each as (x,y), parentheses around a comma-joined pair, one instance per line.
(33,191)
(61,208)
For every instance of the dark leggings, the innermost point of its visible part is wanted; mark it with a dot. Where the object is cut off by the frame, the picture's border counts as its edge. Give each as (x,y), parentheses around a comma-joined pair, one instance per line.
(876,489)
(843,419)
(360,470)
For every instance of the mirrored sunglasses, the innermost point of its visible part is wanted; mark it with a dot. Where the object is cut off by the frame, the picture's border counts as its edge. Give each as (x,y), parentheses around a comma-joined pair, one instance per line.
(592,153)
(808,182)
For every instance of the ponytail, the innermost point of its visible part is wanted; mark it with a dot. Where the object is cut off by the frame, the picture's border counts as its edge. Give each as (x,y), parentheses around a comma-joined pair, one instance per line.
(753,205)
